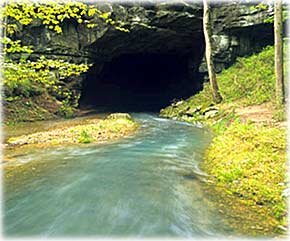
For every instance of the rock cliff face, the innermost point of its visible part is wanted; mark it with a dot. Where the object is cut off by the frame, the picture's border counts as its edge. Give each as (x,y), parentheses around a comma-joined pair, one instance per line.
(171,33)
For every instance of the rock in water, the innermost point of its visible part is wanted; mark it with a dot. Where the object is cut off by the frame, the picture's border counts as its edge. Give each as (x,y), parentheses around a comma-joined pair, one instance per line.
(119,116)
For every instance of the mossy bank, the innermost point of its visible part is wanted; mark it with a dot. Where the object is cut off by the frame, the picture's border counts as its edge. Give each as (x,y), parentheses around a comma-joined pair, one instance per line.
(246,160)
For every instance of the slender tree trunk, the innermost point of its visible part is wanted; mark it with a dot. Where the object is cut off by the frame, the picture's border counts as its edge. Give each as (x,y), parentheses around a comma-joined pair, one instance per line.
(217,98)
(279,73)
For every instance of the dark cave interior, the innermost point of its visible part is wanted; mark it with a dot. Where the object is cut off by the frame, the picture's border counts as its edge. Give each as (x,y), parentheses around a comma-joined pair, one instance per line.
(139,82)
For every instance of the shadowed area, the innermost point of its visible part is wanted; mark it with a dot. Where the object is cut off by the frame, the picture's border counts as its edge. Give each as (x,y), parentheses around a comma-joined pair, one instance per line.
(139,82)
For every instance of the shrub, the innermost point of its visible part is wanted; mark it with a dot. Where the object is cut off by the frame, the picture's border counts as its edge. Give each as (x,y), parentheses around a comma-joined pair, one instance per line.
(85,137)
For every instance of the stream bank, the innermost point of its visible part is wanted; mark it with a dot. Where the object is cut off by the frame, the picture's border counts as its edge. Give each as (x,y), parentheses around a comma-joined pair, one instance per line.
(246,163)
(92,129)
(246,160)
(114,126)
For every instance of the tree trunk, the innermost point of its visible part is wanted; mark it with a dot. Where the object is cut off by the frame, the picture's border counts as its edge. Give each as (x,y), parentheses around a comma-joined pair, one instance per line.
(279,73)
(217,98)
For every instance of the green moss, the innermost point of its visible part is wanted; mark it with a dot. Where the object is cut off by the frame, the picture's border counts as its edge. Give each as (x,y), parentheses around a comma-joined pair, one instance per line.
(250,161)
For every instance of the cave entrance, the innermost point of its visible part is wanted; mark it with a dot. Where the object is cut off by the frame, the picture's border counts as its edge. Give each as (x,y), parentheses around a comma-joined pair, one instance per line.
(138,82)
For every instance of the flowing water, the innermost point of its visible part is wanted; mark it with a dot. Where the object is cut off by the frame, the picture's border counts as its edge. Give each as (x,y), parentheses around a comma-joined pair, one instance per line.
(146,185)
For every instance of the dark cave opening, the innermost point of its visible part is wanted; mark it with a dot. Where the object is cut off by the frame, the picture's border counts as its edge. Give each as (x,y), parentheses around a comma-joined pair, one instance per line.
(140,82)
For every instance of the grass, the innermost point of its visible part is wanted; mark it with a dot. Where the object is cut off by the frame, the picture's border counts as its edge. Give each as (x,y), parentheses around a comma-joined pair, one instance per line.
(254,171)
(246,159)
(251,80)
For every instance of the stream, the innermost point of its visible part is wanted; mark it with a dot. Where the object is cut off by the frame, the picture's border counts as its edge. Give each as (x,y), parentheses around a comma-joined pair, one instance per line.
(146,185)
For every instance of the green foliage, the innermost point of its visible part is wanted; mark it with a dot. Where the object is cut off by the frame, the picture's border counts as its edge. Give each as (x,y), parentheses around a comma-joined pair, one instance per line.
(54,13)
(85,137)
(251,80)
(27,78)
(15,46)
(19,80)
(64,69)
(285,16)
(203,98)
(262,6)
(66,110)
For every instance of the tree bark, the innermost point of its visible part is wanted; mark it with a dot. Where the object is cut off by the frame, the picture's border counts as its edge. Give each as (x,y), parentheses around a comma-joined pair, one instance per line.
(217,98)
(279,71)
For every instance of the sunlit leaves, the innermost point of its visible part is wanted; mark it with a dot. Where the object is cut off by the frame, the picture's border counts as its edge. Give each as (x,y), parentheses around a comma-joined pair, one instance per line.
(122,29)
(19,78)
(104,15)
(92,25)
(11,28)
(91,12)
(15,46)
(58,29)
(53,14)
